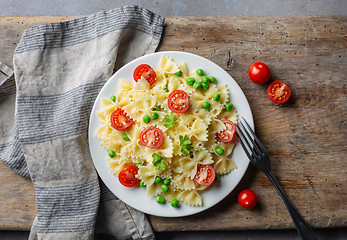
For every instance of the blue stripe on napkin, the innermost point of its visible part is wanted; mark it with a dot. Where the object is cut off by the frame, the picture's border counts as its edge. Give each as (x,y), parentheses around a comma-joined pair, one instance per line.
(61,116)
(67,208)
(57,35)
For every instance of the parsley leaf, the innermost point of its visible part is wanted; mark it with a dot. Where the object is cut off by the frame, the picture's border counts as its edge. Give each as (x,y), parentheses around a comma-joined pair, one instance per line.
(185,144)
(166,88)
(169,120)
(157,108)
(158,162)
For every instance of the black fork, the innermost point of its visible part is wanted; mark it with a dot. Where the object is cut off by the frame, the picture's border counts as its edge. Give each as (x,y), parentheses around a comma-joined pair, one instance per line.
(259,157)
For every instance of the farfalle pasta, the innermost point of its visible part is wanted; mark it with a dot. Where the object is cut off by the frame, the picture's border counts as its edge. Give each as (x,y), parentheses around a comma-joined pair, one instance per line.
(166,142)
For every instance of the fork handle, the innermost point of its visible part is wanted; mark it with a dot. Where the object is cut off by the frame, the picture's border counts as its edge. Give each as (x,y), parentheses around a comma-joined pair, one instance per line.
(303,228)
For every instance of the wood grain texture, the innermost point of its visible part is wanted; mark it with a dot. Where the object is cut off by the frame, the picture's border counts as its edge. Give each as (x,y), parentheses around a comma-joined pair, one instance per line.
(306,138)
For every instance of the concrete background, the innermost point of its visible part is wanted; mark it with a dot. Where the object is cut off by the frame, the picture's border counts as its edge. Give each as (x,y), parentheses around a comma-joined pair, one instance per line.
(189,8)
(179,7)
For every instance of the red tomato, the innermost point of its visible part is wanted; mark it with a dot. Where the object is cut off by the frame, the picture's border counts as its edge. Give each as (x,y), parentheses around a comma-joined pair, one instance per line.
(127,177)
(278,92)
(247,198)
(178,101)
(145,71)
(259,73)
(205,175)
(151,137)
(120,120)
(228,134)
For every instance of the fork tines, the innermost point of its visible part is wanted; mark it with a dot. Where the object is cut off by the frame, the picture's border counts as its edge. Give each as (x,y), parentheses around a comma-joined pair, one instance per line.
(249,141)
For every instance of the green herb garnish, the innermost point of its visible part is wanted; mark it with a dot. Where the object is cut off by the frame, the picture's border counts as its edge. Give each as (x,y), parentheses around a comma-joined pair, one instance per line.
(166,88)
(158,162)
(185,144)
(157,108)
(169,120)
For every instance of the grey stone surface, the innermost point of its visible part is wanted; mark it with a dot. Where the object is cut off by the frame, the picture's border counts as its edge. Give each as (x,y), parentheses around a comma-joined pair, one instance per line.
(179,7)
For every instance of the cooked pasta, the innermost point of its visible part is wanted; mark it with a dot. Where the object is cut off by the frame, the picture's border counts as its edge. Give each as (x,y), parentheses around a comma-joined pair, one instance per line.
(197,126)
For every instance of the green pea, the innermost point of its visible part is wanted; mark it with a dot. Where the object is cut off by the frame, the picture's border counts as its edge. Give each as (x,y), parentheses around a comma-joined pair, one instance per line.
(204,86)
(111,153)
(164,188)
(229,106)
(174,203)
(216,97)
(190,81)
(166,181)
(113,98)
(200,72)
(206,105)
(146,119)
(219,151)
(154,115)
(197,85)
(160,199)
(139,164)
(179,73)
(217,178)
(158,179)
(212,79)
(142,184)
(204,79)
(125,137)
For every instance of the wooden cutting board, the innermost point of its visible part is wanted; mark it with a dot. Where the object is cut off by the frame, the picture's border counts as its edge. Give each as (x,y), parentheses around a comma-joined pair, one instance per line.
(306,139)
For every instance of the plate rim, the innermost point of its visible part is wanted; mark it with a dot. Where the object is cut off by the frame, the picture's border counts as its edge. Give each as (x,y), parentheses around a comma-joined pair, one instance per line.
(92,120)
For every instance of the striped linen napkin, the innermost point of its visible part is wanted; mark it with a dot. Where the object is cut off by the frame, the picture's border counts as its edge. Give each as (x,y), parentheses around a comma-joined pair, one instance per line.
(59,69)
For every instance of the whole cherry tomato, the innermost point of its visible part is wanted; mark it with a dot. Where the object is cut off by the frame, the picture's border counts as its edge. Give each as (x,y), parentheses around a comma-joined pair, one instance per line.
(247,199)
(259,73)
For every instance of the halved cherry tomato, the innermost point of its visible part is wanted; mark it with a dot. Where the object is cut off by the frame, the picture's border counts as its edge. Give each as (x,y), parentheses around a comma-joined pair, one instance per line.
(178,101)
(120,120)
(151,137)
(228,134)
(278,92)
(127,177)
(247,198)
(145,71)
(259,73)
(205,175)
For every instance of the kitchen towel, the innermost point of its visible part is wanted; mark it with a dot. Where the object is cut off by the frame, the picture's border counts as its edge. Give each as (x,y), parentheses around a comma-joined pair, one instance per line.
(59,68)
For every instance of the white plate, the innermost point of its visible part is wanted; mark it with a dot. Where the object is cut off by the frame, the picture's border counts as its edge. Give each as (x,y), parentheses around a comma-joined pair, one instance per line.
(137,197)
